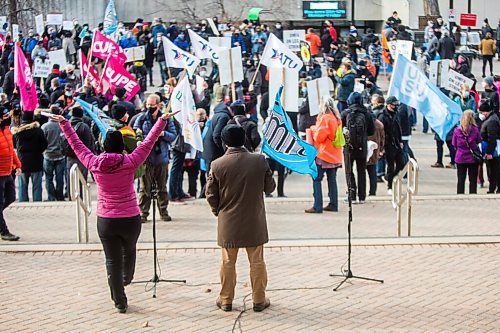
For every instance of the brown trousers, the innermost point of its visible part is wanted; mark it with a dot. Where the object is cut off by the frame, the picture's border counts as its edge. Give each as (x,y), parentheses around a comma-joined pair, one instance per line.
(258,274)
(154,174)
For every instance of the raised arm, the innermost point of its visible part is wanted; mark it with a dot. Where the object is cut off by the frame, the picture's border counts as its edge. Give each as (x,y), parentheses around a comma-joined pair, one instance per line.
(82,152)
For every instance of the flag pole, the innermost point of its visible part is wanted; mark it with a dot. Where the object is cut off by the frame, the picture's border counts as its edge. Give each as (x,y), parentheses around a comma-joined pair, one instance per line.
(317,91)
(103,69)
(233,91)
(89,53)
(283,82)
(254,77)
(169,105)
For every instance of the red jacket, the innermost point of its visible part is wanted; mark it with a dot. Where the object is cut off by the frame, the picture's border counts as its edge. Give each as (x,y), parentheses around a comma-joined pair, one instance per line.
(8,157)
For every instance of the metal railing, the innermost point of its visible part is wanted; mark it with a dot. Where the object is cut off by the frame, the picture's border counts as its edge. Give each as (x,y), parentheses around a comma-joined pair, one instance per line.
(399,196)
(80,193)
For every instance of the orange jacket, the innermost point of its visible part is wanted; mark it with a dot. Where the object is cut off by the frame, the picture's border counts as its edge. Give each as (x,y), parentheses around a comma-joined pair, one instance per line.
(315,43)
(8,157)
(323,135)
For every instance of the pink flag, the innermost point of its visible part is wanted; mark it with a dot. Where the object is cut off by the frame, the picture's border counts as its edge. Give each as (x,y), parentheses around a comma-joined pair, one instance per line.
(117,76)
(104,47)
(2,42)
(24,80)
(89,72)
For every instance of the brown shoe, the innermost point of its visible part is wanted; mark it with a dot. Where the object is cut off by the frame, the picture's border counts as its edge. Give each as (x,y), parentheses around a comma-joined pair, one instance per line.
(223,307)
(312,211)
(330,209)
(261,306)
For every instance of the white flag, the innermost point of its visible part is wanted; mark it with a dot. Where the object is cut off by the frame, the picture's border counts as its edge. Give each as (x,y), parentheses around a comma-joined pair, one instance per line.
(278,55)
(203,49)
(110,21)
(178,58)
(183,101)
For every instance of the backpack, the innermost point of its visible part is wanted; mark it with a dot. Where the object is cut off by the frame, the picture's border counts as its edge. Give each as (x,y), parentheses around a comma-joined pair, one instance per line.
(65,147)
(357,130)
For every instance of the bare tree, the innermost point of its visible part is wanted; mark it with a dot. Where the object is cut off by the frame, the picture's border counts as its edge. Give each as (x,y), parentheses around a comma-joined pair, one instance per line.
(14,8)
(431,7)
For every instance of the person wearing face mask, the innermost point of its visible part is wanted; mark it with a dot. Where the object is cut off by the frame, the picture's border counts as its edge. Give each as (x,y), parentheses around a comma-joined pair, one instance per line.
(55,42)
(428,32)
(465,100)
(259,39)
(9,163)
(156,165)
(353,43)
(237,40)
(393,141)
(67,98)
(490,134)
(72,77)
(248,74)
(491,93)
(278,31)
(314,41)
(434,44)
(486,28)
(128,41)
(463,66)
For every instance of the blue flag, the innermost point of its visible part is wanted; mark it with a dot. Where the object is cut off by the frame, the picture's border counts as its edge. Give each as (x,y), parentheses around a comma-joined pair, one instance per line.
(96,115)
(413,88)
(283,145)
(110,22)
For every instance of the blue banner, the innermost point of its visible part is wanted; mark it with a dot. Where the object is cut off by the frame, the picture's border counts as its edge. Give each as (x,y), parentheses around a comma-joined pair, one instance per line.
(93,112)
(283,145)
(410,86)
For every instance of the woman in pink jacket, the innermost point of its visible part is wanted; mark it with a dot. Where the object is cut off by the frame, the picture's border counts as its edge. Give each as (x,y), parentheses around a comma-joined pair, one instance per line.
(118,215)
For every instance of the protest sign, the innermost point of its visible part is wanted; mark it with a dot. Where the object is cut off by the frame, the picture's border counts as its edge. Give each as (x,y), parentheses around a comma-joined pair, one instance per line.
(39,24)
(439,72)
(54,19)
(316,89)
(67,25)
(220,42)
(135,53)
(305,53)
(292,39)
(455,81)
(58,57)
(42,68)
(289,79)
(15,31)
(230,66)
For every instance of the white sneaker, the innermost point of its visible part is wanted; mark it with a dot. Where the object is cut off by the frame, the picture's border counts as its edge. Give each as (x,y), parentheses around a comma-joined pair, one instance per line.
(389,191)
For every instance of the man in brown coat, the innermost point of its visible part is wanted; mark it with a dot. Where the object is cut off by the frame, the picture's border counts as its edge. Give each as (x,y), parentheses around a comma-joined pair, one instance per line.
(235,191)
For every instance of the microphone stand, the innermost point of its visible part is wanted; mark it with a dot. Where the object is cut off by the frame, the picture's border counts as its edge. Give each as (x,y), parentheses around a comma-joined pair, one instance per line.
(156,278)
(348,170)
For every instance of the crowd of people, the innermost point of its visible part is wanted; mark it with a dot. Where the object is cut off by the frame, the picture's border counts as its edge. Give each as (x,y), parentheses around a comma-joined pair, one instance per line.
(33,146)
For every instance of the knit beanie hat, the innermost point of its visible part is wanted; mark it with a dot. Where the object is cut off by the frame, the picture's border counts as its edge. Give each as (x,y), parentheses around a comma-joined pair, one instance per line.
(233,135)
(118,111)
(114,142)
(238,107)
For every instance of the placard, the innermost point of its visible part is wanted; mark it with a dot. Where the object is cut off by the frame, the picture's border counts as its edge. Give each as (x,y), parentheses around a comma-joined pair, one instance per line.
(316,89)
(58,57)
(199,84)
(67,25)
(439,71)
(290,80)
(54,19)
(3,20)
(455,81)
(474,38)
(135,53)
(292,39)
(230,57)
(305,53)
(15,31)
(39,24)
(42,68)
(220,42)
(403,47)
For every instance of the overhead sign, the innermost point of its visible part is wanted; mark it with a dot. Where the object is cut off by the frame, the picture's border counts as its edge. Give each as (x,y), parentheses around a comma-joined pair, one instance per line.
(292,39)
(135,53)
(324,10)
(451,15)
(468,20)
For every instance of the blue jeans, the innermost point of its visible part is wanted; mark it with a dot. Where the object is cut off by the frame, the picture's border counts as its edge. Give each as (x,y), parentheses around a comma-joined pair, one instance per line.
(23,182)
(331,175)
(381,167)
(49,168)
(176,172)
(163,72)
(425,125)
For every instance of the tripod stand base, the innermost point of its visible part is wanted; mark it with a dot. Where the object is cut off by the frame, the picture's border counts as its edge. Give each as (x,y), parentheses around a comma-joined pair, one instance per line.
(349,275)
(155,280)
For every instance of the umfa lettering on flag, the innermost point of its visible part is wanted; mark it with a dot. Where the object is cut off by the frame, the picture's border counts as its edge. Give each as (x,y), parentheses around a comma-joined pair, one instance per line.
(203,49)
(277,54)
(284,145)
(410,85)
(178,58)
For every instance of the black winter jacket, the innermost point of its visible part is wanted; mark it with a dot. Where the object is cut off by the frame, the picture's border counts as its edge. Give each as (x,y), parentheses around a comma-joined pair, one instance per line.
(30,143)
